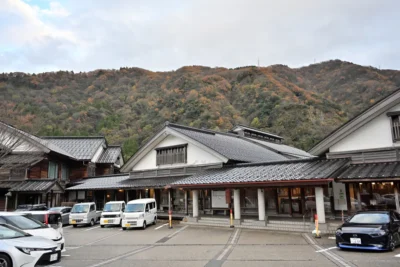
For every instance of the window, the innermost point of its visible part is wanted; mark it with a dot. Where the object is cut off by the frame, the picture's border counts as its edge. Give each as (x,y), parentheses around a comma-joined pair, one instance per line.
(395,127)
(53,170)
(92,208)
(171,155)
(64,172)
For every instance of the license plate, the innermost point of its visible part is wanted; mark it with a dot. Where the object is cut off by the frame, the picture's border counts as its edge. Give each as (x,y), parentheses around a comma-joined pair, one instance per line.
(105,221)
(73,222)
(355,241)
(53,257)
(127,225)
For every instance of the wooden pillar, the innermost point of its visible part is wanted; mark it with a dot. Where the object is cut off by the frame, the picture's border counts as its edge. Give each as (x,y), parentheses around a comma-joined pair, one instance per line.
(303,200)
(290,201)
(76,197)
(47,199)
(16,200)
(51,198)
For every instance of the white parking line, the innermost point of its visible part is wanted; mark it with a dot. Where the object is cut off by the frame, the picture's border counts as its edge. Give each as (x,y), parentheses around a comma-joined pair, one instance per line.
(233,241)
(332,237)
(398,255)
(71,248)
(65,255)
(322,250)
(122,256)
(92,228)
(102,239)
(69,226)
(161,226)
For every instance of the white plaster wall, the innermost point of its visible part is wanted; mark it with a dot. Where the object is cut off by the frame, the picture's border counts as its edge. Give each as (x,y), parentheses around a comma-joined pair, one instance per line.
(195,155)
(375,134)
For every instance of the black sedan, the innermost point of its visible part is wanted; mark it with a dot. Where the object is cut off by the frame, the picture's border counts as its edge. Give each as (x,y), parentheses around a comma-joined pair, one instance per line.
(370,230)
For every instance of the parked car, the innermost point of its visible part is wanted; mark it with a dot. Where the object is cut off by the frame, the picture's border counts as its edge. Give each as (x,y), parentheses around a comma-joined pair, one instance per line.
(47,217)
(84,214)
(18,248)
(112,213)
(370,230)
(139,213)
(26,223)
(65,212)
(27,207)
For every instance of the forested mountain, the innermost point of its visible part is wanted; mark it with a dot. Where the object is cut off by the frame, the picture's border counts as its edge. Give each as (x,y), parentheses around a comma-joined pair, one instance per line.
(128,105)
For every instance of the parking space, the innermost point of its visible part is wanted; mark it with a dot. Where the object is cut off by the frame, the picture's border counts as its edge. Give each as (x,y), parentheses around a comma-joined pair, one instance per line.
(206,246)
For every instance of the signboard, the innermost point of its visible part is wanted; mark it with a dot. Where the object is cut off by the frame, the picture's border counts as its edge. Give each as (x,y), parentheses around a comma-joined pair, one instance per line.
(218,199)
(339,196)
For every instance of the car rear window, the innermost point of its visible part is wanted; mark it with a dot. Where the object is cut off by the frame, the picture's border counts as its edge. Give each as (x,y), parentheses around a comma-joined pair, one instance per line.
(52,218)
(370,218)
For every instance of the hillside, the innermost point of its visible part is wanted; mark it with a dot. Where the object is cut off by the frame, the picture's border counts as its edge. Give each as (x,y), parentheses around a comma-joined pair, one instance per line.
(128,105)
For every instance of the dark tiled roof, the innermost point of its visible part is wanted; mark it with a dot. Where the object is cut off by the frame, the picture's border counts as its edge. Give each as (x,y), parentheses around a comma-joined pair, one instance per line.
(102,182)
(40,185)
(157,182)
(230,145)
(20,159)
(82,148)
(269,172)
(9,183)
(110,155)
(122,181)
(372,170)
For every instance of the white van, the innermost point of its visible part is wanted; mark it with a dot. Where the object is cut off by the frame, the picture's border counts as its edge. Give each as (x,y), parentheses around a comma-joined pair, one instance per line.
(112,213)
(140,213)
(84,213)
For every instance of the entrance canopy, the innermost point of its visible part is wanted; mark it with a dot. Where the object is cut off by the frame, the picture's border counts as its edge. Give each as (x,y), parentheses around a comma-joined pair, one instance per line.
(371,172)
(284,173)
(37,186)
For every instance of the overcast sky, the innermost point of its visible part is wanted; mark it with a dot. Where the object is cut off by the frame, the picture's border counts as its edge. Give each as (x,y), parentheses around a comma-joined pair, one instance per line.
(83,35)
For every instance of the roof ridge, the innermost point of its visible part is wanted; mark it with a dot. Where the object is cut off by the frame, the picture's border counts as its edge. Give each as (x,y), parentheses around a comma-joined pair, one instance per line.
(206,131)
(283,162)
(252,128)
(72,137)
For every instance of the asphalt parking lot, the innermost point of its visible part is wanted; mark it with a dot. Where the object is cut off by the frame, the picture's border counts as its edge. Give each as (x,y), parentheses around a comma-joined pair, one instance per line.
(205,246)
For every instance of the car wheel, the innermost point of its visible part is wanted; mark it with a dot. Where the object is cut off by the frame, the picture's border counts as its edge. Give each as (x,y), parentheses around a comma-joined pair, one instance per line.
(5,261)
(123,228)
(144,225)
(75,226)
(120,223)
(102,226)
(155,221)
(92,222)
(391,243)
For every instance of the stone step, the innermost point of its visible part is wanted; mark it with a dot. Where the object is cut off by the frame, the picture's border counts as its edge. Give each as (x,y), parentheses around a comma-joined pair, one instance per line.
(254,223)
(288,222)
(210,219)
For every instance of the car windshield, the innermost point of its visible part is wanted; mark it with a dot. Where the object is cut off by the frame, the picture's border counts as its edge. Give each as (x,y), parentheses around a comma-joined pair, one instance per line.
(370,218)
(134,208)
(24,222)
(57,209)
(80,209)
(8,232)
(110,207)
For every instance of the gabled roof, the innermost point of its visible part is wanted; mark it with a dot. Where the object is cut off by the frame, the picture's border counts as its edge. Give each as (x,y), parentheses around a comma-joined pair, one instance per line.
(110,155)
(243,127)
(229,145)
(312,171)
(44,145)
(82,148)
(358,121)
(284,149)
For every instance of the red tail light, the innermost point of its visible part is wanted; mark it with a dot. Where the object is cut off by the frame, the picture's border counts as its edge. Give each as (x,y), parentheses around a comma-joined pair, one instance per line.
(46,219)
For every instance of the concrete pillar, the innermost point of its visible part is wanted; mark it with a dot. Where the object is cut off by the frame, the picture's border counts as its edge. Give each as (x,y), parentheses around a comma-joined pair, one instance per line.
(261,204)
(195,203)
(16,200)
(396,197)
(319,199)
(236,202)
